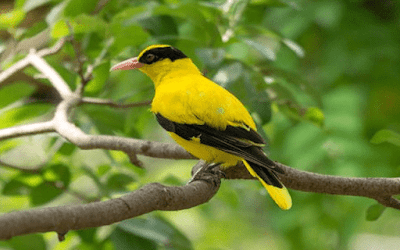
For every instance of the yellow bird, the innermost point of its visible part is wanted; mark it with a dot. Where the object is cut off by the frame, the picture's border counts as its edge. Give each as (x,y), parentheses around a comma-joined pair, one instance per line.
(204,118)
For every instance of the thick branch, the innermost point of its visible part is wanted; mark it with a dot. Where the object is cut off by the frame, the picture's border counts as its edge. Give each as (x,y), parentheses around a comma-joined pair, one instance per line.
(147,199)
(129,145)
(380,189)
(311,182)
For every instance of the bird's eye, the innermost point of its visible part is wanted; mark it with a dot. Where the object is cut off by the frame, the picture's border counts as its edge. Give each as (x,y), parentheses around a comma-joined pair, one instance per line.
(150,58)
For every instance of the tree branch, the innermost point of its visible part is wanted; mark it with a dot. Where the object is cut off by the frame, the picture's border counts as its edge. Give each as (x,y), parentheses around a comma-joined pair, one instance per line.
(56,80)
(380,189)
(79,138)
(21,64)
(89,70)
(149,198)
(111,103)
(28,129)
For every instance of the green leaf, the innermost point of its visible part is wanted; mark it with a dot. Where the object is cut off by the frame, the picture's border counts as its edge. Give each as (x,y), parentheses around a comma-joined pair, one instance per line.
(294,83)
(67,149)
(100,76)
(87,235)
(35,30)
(22,114)
(189,12)
(103,169)
(157,230)
(192,13)
(15,187)
(315,116)
(76,7)
(8,145)
(13,92)
(19,4)
(260,103)
(119,181)
(374,212)
(28,242)
(125,28)
(107,120)
(270,3)
(172,180)
(29,179)
(11,19)
(58,172)
(80,24)
(128,36)
(386,135)
(85,24)
(44,193)
(60,29)
(126,240)
(160,26)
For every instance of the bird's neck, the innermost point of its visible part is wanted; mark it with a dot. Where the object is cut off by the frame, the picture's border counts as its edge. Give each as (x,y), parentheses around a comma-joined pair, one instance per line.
(167,69)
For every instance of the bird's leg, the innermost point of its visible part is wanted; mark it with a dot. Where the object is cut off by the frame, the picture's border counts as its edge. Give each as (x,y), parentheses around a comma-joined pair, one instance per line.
(204,171)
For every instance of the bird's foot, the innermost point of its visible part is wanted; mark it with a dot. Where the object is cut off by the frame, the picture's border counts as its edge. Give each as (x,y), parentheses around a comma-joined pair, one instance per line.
(208,173)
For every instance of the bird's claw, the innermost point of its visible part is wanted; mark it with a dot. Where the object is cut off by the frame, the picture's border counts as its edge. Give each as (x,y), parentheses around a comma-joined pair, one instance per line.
(208,173)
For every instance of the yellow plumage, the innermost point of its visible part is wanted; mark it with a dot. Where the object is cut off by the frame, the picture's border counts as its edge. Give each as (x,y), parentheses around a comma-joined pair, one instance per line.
(198,113)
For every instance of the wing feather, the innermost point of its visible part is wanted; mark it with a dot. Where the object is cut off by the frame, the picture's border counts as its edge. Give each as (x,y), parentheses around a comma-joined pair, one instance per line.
(234,140)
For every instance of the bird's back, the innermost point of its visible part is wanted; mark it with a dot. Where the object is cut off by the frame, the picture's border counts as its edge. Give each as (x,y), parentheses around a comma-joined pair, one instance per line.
(194,99)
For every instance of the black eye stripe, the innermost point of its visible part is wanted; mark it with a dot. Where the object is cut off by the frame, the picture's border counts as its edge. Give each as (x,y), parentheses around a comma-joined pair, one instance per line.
(160,54)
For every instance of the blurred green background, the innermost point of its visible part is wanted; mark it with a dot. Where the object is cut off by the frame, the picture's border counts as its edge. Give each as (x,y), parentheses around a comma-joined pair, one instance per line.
(320,77)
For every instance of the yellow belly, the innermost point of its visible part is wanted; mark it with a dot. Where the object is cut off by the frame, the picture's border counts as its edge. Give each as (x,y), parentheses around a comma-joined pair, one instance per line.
(206,153)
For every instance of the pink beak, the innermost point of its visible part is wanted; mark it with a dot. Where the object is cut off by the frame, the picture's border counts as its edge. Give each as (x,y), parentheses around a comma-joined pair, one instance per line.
(131,63)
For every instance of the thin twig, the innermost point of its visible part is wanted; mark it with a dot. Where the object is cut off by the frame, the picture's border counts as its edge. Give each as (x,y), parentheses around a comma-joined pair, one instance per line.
(97,61)
(78,54)
(52,75)
(50,51)
(111,103)
(21,64)
(28,129)
(134,159)
(32,170)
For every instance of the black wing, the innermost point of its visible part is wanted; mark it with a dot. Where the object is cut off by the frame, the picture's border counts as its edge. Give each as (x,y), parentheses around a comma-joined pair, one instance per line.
(231,140)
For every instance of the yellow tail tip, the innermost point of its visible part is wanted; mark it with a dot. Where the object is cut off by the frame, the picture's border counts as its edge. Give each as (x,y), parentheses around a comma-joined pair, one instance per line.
(281,196)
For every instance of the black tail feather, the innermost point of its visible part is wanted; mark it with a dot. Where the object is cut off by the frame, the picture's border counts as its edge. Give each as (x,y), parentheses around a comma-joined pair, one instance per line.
(266,174)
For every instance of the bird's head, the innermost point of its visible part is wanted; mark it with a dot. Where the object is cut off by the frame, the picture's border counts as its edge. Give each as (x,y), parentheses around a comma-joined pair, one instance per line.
(156,61)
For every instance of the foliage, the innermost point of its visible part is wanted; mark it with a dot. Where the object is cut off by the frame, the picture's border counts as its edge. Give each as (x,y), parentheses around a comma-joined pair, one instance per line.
(320,77)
